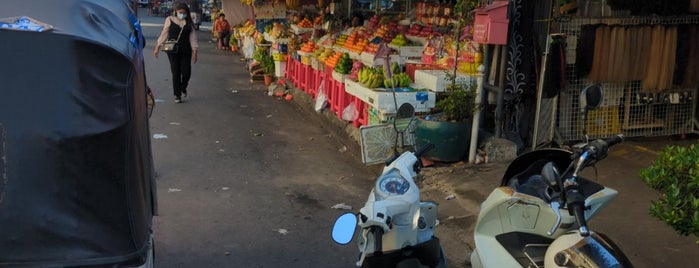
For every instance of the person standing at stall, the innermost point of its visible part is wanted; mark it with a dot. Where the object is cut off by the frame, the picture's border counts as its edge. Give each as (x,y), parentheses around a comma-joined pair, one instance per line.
(223,31)
(181,28)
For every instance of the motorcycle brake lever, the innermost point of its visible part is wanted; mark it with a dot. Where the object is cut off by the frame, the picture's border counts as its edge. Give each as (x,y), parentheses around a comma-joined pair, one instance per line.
(555,205)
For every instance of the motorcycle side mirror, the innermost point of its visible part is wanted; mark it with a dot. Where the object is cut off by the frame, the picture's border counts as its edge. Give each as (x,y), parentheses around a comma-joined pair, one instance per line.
(343,229)
(550,174)
(592,96)
(404,116)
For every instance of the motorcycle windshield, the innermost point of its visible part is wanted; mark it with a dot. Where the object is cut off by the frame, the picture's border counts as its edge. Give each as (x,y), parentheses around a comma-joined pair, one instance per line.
(560,157)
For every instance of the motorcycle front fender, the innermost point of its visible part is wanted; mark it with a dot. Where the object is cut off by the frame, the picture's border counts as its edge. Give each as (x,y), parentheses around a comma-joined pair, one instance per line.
(595,250)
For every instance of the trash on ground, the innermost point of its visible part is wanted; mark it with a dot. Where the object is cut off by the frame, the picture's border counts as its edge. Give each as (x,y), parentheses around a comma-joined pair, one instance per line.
(283,231)
(174,190)
(159,100)
(159,136)
(450,197)
(259,134)
(269,116)
(342,206)
(343,149)
(225,188)
(175,123)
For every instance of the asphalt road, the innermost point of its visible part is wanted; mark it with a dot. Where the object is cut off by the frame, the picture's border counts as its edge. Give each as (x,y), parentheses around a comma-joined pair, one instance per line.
(244,179)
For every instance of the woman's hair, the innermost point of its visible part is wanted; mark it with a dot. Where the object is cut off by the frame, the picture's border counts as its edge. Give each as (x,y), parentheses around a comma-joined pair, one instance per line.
(179,6)
(184,6)
(222,15)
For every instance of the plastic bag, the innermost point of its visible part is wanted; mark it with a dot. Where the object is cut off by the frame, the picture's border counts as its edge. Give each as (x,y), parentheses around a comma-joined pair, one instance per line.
(321,98)
(350,112)
(248,47)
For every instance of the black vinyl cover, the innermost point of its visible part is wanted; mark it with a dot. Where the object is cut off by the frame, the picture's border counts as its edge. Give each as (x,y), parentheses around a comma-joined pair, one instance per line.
(76,177)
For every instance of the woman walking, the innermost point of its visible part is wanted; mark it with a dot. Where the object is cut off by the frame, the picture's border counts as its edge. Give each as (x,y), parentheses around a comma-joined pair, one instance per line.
(180,28)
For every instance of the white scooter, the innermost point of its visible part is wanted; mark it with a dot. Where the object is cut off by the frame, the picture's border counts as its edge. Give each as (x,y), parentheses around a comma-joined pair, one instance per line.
(538,216)
(396,229)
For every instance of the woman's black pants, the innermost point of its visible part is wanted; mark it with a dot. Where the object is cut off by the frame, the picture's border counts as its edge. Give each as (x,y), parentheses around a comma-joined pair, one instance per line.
(181,68)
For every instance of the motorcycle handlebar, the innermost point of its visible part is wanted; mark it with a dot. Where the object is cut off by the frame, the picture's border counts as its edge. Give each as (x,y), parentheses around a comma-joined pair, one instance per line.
(424,149)
(615,140)
(378,234)
(598,149)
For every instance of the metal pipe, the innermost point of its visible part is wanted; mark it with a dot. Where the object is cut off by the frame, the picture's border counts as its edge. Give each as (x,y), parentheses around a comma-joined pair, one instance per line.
(476,121)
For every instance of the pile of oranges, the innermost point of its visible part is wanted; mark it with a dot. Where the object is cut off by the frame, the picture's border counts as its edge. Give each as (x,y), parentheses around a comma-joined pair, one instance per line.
(356,43)
(305,23)
(333,60)
(309,47)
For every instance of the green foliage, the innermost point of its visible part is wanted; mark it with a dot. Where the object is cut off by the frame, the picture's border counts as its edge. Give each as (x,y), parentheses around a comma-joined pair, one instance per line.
(266,61)
(459,101)
(675,174)
(267,64)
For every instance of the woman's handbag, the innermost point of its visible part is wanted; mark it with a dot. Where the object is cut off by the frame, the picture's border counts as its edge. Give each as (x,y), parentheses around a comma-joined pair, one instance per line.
(171,46)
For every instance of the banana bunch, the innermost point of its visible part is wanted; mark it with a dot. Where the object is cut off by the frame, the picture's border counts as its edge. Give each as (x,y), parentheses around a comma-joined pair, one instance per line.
(370,77)
(398,80)
(246,2)
(290,4)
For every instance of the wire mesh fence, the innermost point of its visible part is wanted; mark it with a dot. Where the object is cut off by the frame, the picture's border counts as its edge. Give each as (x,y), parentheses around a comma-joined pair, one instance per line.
(629,106)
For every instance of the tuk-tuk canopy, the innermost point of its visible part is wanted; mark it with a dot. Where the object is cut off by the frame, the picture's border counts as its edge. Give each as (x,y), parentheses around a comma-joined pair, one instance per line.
(76,173)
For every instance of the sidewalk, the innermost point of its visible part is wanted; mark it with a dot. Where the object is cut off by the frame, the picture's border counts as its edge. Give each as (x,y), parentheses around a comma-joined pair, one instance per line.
(460,187)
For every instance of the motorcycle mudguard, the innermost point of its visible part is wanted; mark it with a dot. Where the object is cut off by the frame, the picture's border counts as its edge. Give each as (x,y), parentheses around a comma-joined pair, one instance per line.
(596,250)
(428,254)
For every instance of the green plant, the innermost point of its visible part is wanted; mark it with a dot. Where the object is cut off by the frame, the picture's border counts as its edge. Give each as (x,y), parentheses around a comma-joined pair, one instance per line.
(675,174)
(267,64)
(458,102)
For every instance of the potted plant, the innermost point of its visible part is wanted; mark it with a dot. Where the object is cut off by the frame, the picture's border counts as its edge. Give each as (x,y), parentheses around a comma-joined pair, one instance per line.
(267,65)
(450,128)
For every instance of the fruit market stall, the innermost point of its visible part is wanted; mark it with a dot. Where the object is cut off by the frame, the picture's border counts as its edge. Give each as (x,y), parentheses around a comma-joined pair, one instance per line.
(345,66)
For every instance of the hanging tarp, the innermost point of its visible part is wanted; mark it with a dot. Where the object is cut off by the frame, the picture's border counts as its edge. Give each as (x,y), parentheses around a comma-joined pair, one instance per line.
(75,165)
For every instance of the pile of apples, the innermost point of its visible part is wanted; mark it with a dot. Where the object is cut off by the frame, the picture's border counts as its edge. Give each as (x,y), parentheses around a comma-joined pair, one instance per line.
(417,30)
(372,48)
(414,30)
(373,23)
(328,42)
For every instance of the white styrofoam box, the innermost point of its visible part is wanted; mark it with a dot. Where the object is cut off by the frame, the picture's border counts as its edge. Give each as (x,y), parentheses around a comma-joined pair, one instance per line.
(436,80)
(370,59)
(340,77)
(280,68)
(383,100)
(299,30)
(411,51)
